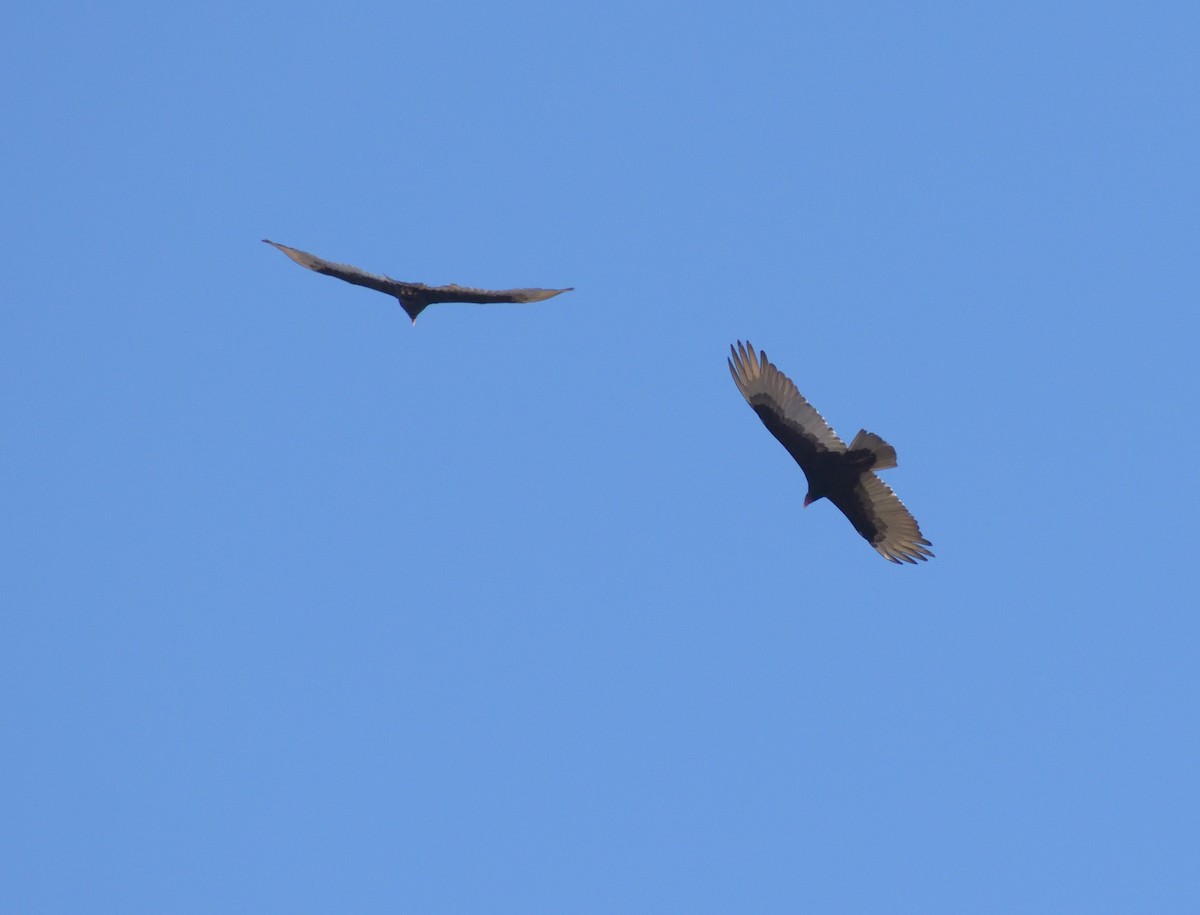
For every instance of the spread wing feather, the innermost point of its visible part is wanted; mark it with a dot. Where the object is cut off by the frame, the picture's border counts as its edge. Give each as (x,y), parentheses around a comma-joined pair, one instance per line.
(878,514)
(781,407)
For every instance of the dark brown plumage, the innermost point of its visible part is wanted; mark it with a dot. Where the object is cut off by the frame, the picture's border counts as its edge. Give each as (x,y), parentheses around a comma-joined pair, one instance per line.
(414,297)
(842,475)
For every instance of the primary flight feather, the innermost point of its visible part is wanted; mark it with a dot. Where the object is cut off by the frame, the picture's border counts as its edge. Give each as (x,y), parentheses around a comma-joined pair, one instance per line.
(414,297)
(843,475)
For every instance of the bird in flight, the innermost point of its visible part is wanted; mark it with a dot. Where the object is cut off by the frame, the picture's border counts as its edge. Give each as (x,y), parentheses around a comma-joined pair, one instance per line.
(844,476)
(414,297)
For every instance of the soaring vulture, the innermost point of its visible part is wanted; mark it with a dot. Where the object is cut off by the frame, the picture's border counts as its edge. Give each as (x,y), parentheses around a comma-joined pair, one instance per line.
(414,297)
(842,475)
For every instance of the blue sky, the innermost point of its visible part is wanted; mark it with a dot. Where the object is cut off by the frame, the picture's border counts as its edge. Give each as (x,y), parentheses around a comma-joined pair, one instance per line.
(310,610)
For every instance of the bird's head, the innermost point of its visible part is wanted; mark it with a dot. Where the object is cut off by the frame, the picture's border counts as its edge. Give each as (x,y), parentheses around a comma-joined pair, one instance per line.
(816,490)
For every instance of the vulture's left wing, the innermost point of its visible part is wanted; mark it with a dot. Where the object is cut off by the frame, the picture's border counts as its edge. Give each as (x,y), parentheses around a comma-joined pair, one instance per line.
(781,407)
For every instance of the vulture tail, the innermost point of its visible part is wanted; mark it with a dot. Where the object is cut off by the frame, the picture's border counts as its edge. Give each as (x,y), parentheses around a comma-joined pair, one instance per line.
(885,454)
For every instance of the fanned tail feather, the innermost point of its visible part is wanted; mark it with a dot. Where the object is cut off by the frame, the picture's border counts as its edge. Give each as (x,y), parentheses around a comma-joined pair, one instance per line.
(885,454)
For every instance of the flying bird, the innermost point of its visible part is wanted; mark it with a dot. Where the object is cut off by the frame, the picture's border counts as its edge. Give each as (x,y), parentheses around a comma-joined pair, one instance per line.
(414,297)
(844,476)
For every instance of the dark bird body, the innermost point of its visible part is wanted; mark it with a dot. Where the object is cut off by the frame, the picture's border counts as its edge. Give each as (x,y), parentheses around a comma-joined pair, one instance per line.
(414,297)
(843,475)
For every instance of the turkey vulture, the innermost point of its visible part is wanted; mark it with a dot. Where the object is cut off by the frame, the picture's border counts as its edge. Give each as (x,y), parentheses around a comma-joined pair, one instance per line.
(842,475)
(414,297)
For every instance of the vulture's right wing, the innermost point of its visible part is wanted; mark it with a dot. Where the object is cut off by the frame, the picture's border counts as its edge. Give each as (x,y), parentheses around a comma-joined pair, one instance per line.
(878,514)
(355,275)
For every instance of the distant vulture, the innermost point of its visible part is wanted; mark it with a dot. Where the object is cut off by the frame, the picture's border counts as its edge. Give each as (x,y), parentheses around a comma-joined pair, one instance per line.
(414,297)
(842,475)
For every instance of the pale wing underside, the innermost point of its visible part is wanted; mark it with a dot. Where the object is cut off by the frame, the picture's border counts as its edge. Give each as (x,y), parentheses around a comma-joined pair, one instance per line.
(347,272)
(878,514)
(453,293)
(764,386)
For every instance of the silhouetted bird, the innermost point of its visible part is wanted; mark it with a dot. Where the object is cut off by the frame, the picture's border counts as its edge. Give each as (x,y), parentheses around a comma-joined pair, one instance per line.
(414,297)
(842,475)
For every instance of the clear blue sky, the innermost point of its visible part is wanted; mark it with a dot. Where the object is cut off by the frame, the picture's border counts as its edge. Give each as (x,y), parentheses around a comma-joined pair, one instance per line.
(309,610)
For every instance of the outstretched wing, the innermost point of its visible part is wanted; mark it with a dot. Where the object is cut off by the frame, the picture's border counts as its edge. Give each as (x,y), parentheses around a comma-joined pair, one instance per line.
(454,293)
(415,297)
(878,514)
(789,417)
(345,272)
